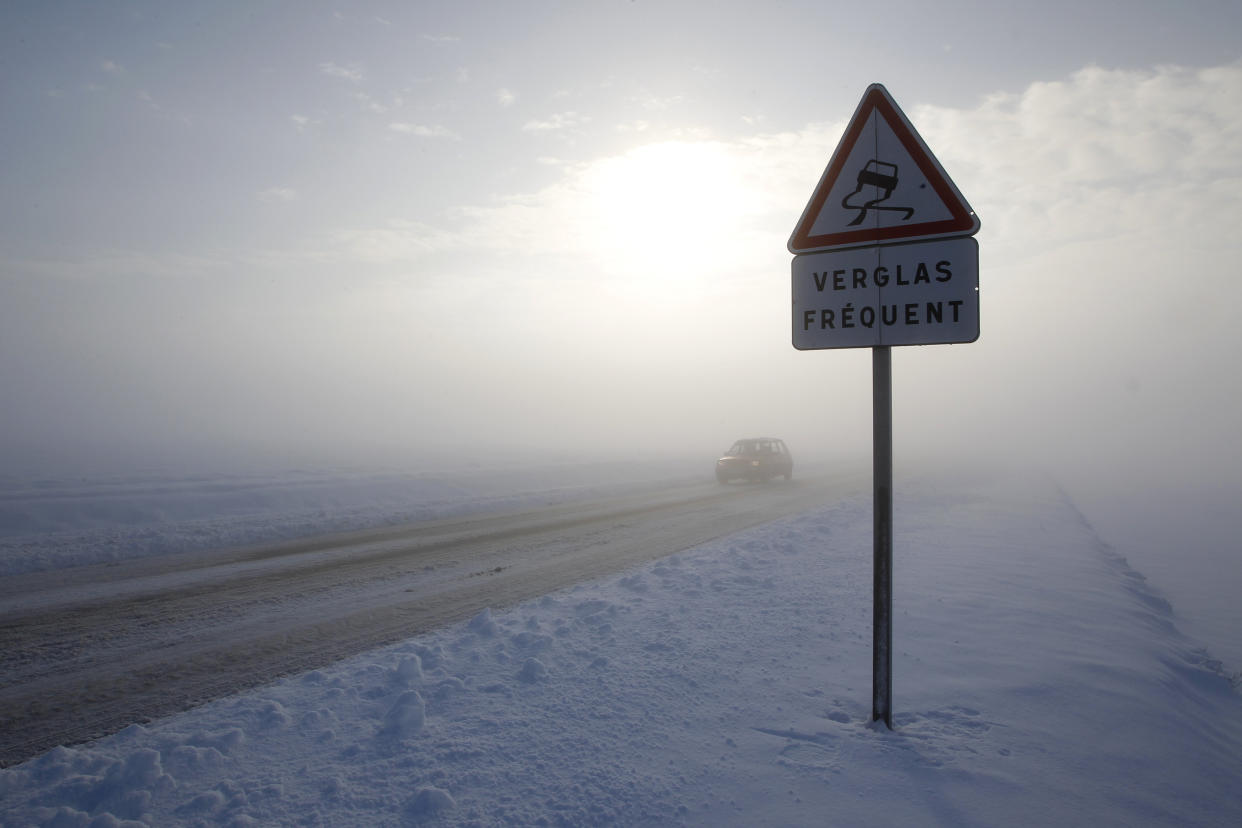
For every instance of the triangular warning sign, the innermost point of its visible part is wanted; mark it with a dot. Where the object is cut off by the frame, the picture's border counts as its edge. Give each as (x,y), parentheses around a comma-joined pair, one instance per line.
(882,186)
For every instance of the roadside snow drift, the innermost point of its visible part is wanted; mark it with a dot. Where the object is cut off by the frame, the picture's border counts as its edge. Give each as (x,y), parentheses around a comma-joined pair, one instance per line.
(1037,680)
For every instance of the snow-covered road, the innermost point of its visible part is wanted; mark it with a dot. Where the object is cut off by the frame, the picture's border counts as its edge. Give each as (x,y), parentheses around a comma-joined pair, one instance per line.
(89,650)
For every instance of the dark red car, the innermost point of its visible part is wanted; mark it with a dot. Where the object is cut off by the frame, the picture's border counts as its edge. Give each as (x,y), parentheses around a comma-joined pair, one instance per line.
(755,459)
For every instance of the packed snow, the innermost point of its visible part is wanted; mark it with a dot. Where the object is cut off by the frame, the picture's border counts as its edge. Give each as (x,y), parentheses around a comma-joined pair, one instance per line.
(1039,679)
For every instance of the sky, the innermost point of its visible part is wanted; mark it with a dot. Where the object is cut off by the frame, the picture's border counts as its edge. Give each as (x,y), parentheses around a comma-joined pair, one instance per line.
(389,232)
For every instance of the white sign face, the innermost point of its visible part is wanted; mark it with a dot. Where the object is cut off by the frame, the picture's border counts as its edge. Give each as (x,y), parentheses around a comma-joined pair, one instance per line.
(926,293)
(882,185)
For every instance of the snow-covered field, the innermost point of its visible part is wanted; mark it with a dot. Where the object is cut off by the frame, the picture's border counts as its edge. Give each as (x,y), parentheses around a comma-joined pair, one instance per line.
(1039,679)
(53,522)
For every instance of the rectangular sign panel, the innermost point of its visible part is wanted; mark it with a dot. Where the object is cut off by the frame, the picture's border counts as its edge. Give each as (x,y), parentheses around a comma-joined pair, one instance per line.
(925,293)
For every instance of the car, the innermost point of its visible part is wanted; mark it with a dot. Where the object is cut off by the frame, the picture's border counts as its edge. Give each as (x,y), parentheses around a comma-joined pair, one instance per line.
(755,459)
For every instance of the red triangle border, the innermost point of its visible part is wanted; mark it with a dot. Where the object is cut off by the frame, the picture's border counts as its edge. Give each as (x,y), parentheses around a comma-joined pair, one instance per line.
(963,221)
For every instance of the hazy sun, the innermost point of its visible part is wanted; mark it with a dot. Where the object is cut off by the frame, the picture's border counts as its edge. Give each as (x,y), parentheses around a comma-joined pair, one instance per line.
(668,209)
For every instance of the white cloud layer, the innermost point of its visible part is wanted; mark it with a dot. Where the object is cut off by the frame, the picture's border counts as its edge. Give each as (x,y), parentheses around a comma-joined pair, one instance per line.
(555,122)
(350,72)
(424,130)
(276,195)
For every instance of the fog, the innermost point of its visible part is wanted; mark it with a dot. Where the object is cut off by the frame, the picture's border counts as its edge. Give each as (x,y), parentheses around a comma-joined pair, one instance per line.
(638,304)
(417,237)
(410,239)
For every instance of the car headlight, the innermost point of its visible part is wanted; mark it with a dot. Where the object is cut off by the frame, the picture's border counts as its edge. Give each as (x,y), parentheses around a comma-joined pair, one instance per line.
(755,463)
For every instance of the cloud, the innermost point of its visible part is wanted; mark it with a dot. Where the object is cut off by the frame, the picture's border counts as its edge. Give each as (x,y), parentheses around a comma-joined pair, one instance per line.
(370,104)
(1109,204)
(1101,153)
(396,241)
(557,122)
(425,130)
(351,72)
(274,195)
(634,126)
(657,103)
(505,98)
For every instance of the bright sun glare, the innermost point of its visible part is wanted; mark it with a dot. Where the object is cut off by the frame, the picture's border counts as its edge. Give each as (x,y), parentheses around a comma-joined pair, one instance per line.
(667,210)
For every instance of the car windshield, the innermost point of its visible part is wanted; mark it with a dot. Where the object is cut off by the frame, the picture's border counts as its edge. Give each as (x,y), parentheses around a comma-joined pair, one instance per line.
(743,447)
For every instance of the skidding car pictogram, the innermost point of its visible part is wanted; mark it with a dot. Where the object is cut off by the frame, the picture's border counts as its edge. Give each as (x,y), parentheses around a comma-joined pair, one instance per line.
(882,175)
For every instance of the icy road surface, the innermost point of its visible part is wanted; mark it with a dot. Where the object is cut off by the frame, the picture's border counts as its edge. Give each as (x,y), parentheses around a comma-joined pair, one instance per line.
(89,650)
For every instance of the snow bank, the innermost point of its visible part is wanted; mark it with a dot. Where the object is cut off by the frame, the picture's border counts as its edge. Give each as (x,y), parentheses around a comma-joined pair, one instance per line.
(1038,680)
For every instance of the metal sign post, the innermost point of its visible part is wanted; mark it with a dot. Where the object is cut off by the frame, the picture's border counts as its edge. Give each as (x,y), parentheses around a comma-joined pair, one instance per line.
(882,566)
(883,256)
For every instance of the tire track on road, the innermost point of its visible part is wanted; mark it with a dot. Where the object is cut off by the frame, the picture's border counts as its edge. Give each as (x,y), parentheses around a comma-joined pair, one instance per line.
(87,661)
